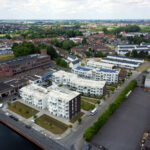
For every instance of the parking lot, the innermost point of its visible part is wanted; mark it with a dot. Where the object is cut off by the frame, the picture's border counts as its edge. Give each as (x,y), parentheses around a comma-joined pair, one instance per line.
(123,131)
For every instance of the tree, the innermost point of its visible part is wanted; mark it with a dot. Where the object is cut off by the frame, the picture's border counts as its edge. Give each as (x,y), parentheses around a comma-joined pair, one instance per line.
(79,120)
(27,111)
(52,52)
(26,48)
(61,62)
(84,41)
(134,53)
(105,30)
(68,44)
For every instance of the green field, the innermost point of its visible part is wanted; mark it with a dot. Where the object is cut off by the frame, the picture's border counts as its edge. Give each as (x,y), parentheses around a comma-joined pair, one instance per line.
(22,109)
(51,124)
(86,106)
(91,100)
(6,57)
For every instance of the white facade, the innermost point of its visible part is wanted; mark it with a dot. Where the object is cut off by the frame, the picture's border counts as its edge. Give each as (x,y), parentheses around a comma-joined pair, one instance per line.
(58,102)
(95,64)
(73,61)
(55,99)
(108,75)
(136,60)
(85,86)
(147,81)
(34,95)
(120,63)
(123,49)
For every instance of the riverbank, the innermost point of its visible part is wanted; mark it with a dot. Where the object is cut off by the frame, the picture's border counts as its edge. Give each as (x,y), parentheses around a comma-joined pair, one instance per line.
(44,142)
(23,135)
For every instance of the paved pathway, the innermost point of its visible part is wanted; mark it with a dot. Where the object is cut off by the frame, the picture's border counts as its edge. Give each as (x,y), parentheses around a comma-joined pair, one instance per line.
(46,142)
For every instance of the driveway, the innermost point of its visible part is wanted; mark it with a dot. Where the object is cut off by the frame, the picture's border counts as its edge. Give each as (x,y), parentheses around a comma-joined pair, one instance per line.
(125,127)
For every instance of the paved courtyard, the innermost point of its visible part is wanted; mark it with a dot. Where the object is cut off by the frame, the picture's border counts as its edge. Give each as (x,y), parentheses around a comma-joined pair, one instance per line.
(125,128)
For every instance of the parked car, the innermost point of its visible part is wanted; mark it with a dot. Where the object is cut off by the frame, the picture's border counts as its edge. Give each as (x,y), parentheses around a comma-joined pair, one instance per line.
(11,116)
(14,99)
(28,126)
(1,105)
(15,118)
(101,147)
(88,147)
(94,111)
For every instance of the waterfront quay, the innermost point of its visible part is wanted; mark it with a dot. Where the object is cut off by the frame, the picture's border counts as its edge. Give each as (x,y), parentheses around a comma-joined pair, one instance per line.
(32,135)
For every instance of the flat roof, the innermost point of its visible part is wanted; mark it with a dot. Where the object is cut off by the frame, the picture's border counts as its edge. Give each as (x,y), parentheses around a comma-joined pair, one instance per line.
(4,87)
(64,94)
(100,63)
(21,59)
(124,57)
(107,70)
(83,68)
(62,73)
(89,83)
(121,61)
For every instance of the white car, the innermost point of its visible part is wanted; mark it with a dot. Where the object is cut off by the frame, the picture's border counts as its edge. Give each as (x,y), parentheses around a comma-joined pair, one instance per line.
(1,105)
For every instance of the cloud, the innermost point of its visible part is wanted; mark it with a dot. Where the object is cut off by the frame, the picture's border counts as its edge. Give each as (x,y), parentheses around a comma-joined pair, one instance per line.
(74,9)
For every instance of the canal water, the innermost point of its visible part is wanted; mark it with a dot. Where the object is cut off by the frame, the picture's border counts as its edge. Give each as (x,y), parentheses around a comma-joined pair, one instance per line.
(10,140)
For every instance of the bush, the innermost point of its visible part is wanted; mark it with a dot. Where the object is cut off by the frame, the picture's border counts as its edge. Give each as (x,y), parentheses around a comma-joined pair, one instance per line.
(79,120)
(70,126)
(92,130)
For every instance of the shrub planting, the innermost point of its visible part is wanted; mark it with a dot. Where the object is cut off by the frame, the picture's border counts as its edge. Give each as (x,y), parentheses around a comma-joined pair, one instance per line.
(92,130)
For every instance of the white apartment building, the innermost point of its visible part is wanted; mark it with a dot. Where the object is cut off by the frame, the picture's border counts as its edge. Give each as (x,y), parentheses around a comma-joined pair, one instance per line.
(95,64)
(108,75)
(123,49)
(121,63)
(84,86)
(34,95)
(123,58)
(59,102)
(63,103)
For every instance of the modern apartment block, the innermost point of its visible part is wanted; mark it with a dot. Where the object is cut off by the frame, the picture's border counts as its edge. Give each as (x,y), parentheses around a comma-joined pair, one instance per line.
(96,64)
(64,103)
(59,102)
(123,49)
(17,65)
(81,85)
(136,60)
(122,61)
(108,75)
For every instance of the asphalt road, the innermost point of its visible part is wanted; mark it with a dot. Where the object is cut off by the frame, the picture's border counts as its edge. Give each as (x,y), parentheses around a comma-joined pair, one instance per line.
(125,127)
(46,142)
(75,140)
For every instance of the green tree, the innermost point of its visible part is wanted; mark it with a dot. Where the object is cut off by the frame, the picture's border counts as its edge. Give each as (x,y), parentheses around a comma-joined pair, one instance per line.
(52,52)
(79,120)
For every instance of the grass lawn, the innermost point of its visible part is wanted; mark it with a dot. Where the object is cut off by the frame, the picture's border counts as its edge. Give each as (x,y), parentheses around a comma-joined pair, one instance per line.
(143,67)
(86,106)
(51,124)
(22,109)
(2,35)
(75,118)
(6,57)
(91,100)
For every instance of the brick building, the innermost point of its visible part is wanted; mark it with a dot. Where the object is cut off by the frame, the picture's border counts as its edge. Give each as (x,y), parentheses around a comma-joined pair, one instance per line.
(14,66)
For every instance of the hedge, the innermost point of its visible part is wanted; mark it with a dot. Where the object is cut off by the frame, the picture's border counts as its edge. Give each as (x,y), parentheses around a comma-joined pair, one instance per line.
(92,130)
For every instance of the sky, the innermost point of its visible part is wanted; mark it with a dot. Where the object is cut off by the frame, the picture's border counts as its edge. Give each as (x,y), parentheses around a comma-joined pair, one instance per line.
(74,9)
